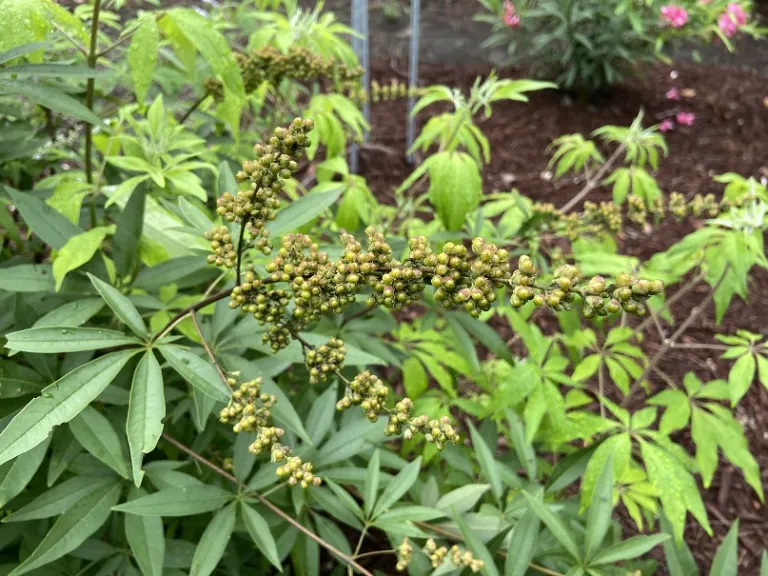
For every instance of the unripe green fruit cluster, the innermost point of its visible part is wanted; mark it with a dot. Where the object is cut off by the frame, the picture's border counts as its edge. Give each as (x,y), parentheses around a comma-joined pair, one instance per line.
(249,410)
(224,254)
(275,162)
(324,360)
(368,392)
(437,432)
(298,472)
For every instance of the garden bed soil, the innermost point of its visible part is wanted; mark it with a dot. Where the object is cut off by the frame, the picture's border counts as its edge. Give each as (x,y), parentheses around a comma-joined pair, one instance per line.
(729,135)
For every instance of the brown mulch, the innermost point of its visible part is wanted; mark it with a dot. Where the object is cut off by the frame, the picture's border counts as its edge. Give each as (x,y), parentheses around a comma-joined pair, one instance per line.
(729,135)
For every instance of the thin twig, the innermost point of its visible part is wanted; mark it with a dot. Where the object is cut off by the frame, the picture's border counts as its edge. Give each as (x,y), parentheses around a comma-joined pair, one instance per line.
(69,37)
(593,182)
(192,108)
(670,342)
(224,474)
(187,311)
(696,346)
(208,350)
(240,247)
(117,43)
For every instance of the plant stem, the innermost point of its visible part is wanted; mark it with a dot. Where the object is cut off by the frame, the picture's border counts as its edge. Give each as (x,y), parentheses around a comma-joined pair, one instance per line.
(359,545)
(374,553)
(192,108)
(669,343)
(89,92)
(187,311)
(240,247)
(594,181)
(260,497)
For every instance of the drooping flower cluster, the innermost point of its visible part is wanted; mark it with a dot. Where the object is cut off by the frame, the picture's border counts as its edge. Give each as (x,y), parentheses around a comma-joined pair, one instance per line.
(298,472)
(368,392)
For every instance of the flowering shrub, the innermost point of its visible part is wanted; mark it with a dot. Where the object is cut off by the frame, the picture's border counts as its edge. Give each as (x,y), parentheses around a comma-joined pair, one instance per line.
(591,44)
(208,370)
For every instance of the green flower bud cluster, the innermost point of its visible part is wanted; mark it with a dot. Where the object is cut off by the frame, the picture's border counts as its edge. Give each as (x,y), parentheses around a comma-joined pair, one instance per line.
(594,219)
(298,473)
(214,88)
(629,294)
(404,555)
(268,64)
(224,254)
(250,411)
(458,557)
(633,293)
(324,360)
(275,163)
(368,392)
(704,206)
(437,432)
(404,283)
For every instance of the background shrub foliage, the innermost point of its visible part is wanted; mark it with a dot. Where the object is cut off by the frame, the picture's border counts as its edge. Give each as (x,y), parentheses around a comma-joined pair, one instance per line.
(206,368)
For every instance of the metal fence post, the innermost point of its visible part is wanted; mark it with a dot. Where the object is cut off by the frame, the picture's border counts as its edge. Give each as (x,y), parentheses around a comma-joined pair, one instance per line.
(413,73)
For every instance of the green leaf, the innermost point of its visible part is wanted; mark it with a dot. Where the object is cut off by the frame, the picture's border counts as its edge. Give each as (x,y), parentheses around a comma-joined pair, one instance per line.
(27,278)
(178,501)
(130,225)
(524,537)
(71,314)
(706,441)
(95,433)
(397,487)
(78,251)
(52,228)
(629,549)
(73,528)
(147,541)
(59,403)
(559,530)
(303,210)
(410,514)
(740,377)
(680,561)
(321,415)
(587,367)
(476,546)
(14,476)
(487,460)
(146,410)
(120,305)
(455,187)
(226,181)
(142,56)
(677,489)
(53,340)
(54,99)
(523,449)
(726,560)
(372,479)
(414,378)
(600,507)
(462,499)
(764,564)
(262,536)
(169,272)
(198,372)
(58,499)
(213,543)
(762,370)
(678,410)
(618,449)
(23,50)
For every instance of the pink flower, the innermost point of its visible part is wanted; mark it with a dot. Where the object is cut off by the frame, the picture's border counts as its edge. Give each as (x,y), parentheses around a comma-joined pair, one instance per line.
(686,118)
(676,16)
(736,12)
(667,125)
(511,18)
(673,94)
(732,19)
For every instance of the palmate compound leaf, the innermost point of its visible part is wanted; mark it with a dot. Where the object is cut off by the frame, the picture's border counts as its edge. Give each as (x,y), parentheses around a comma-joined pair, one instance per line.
(73,527)
(59,403)
(677,489)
